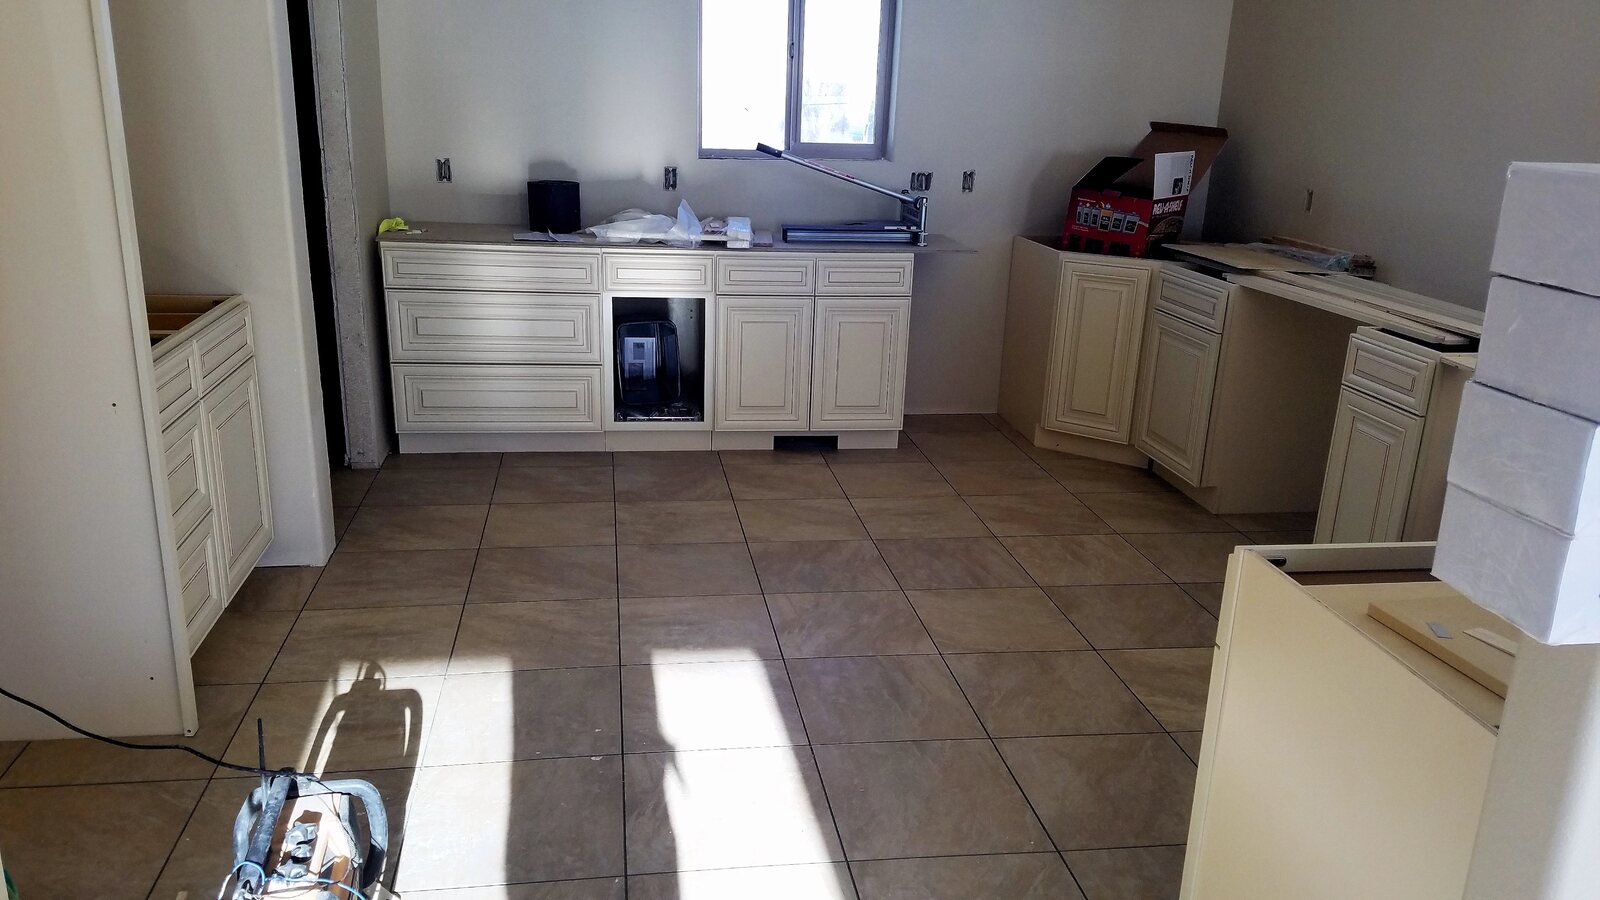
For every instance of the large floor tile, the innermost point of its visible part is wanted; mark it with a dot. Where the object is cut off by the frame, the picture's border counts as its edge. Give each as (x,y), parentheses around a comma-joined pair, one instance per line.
(800,520)
(1031,514)
(561,458)
(668,459)
(782,483)
(532,820)
(1151,512)
(276,588)
(504,716)
(512,574)
(708,706)
(376,578)
(926,798)
(1136,616)
(375,722)
(554,484)
(813,881)
(1189,557)
(716,809)
(1132,873)
(330,643)
(463,460)
(808,567)
(431,487)
(1172,683)
(1291,521)
(949,563)
(678,522)
(342,517)
(503,637)
(1081,475)
(1101,791)
(696,629)
(913,479)
(550,525)
(1017,476)
(852,623)
(995,620)
(1083,559)
(881,698)
(972,446)
(415,528)
(583,889)
(349,486)
(1014,876)
(918,517)
(1063,692)
(907,452)
(947,423)
(670,482)
(241,647)
(775,457)
(686,570)
(1208,595)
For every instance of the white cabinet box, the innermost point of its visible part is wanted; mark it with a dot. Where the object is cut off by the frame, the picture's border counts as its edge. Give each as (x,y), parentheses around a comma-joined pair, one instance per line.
(1550,226)
(1543,344)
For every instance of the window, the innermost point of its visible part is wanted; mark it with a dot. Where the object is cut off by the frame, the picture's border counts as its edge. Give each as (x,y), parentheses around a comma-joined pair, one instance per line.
(808,76)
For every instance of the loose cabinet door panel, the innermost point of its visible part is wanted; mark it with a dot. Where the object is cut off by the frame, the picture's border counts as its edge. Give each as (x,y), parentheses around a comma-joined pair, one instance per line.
(1094,359)
(239,462)
(858,382)
(1176,380)
(763,363)
(1370,467)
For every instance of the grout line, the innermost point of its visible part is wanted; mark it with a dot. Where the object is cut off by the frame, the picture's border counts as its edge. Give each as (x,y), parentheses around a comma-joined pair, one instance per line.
(622,736)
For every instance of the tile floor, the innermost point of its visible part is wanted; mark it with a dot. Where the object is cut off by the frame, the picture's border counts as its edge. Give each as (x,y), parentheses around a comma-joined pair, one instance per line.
(962,668)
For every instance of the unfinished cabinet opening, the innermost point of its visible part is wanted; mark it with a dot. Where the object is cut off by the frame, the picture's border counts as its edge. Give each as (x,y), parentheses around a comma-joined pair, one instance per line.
(658,347)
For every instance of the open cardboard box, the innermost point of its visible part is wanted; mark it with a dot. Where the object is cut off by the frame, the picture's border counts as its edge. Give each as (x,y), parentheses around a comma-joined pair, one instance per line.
(1128,205)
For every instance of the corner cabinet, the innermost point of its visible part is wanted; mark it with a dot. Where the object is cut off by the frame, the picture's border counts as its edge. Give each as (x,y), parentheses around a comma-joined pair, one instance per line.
(1099,321)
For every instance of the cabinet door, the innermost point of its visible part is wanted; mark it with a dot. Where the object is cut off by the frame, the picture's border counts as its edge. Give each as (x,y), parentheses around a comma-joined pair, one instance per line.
(859,375)
(232,413)
(763,363)
(1176,379)
(1370,466)
(1094,355)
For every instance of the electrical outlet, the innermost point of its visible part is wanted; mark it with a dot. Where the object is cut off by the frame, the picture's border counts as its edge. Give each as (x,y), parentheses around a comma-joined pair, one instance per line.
(966,181)
(921,181)
(441,170)
(1311,196)
(669,178)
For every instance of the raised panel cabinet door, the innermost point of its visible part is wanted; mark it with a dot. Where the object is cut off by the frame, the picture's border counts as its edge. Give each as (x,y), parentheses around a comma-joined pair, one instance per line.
(1370,465)
(437,326)
(1094,356)
(764,363)
(1177,376)
(461,399)
(234,437)
(859,378)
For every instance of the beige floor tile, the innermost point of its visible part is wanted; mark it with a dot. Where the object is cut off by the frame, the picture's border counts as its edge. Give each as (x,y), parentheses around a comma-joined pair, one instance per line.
(654,482)
(342,517)
(49,763)
(881,698)
(1189,557)
(377,578)
(1015,876)
(918,517)
(98,841)
(808,567)
(585,889)
(1093,476)
(375,722)
(708,706)
(947,423)
(1172,683)
(432,487)
(949,563)
(494,821)
(782,483)
(1020,476)
(1099,791)
(907,452)
(1037,514)
(329,643)
(1190,742)
(9,751)
(1208,595)
(713,809)
(1131,873)
(415,528)
(1151,512)
(944,446)
(504,716)
(503,637)
(1026,694)
(678,522)
(577,459)
(686,570)
(995,620)
(771,457)
(1292,521)
(853,623)
(696,629)
(349,486)
(1280,537)
(276,588)
(550,525)
(1136,616)
(678,459)
(442,461)
(1083,559)
(555,484)
(241,647)
(512,574)
(910,479)
(926,798)
(800,520)
(814,881)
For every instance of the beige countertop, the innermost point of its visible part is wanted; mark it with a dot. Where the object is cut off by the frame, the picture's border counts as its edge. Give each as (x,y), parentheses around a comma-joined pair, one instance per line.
(474,233)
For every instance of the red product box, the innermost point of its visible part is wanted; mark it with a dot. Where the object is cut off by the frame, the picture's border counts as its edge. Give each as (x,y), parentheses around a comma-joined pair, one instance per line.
(1128,205)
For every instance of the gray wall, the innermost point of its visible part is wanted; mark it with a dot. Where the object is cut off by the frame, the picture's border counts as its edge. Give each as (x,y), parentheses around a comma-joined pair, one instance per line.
(1402,115)
(1029,93)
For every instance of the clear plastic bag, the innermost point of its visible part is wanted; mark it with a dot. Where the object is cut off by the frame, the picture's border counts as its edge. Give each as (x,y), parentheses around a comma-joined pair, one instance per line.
(634,225)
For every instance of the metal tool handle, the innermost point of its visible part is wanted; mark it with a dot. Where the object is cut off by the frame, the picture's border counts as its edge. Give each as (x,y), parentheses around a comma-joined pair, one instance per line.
(257,821)
(828,170)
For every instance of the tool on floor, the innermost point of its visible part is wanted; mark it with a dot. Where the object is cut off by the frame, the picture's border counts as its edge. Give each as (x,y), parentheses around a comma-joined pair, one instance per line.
(911,228)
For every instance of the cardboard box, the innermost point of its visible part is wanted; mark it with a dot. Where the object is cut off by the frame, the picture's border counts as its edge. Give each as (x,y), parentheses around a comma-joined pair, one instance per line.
(1550,226)
(1128,205)
(1542,344)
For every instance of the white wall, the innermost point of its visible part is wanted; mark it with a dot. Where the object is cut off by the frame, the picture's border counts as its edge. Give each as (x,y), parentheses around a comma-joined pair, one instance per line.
(1403,116)
(84,615)
(211,140)
(1029,93)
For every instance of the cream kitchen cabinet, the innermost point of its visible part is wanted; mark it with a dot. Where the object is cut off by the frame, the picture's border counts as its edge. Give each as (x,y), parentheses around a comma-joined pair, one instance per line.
(858,381)
(764,380)
(1176,381)
(1099,321)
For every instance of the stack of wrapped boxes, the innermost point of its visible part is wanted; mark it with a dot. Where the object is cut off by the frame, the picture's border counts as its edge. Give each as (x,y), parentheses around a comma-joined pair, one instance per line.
(1521,527)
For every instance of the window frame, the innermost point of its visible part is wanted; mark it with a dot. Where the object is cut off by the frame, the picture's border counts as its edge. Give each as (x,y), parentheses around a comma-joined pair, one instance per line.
(888,63)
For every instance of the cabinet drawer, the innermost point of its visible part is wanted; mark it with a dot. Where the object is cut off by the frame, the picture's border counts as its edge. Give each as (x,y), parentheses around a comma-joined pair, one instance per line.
(429,326)
(864,273)
(188,480)
(224,347)
(199,570)
(1197,298)
(496,398)
(765,275)
(177,383)
(661,271)
(460,268)
(1389,373)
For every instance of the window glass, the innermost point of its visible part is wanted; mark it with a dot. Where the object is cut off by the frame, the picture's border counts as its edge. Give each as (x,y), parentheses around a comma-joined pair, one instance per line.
(744,73)
(839,86)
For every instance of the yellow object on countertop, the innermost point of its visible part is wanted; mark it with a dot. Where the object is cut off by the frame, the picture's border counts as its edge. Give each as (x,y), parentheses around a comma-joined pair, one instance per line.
(394,224)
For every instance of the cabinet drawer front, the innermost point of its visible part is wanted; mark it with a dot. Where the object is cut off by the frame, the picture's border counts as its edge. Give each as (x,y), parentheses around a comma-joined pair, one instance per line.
(188,480)
(662,270)
(199,570)
(765,275)
(224,347)
(1389,373)
(427,326)
(497,398)
(461,268)
(177,383)
(864,273)
(1176,381)
(1197,298)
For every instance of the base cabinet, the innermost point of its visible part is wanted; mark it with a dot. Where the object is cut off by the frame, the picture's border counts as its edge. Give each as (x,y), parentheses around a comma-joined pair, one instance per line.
(1094,357)
(1370,467)
(1176,381)
(232,415)
(858,382)
(764,380)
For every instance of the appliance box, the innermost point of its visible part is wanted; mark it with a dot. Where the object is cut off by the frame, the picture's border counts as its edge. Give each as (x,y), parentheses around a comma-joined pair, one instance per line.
(1128,205)
(1550,226)
(1539,343)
